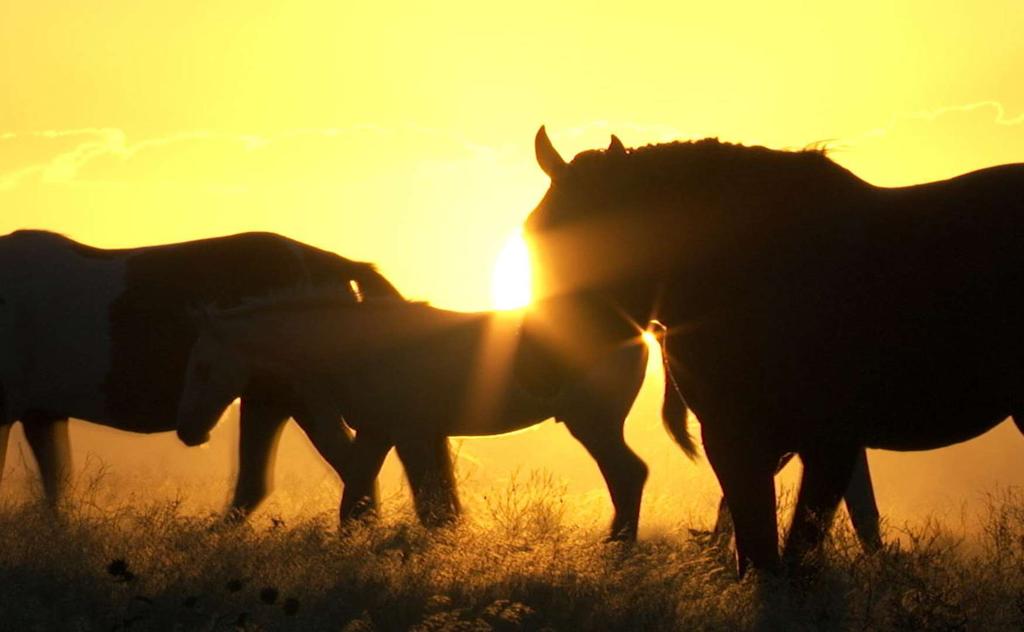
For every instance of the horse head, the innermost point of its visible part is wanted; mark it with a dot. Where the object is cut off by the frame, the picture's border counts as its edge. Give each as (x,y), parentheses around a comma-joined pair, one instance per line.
(214,377)
(585,258)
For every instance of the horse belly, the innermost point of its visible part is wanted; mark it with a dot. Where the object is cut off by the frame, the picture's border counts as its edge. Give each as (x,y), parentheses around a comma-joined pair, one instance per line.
(939,418)
(874,388)
(906,438)
(411,399)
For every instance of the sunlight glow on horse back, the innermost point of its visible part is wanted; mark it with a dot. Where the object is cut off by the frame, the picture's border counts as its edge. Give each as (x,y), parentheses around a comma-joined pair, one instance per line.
(510,284)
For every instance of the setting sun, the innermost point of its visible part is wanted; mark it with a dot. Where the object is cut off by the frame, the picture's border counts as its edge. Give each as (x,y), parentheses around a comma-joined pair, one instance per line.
(510,285)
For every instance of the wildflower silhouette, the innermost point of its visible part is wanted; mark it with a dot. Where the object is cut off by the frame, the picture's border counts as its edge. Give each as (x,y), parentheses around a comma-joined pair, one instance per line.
(268,595)
(119,569)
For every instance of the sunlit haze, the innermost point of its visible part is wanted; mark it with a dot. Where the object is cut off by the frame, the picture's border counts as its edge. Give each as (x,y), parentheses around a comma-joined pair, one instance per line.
(510,287)
(403,135)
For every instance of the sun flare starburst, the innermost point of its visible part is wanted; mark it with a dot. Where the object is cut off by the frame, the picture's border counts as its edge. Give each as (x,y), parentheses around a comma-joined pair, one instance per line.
(510,284)
(650,339)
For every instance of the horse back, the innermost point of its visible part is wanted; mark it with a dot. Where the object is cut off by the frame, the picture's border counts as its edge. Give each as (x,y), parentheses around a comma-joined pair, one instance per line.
(127,312)
(151,329)
(902,334)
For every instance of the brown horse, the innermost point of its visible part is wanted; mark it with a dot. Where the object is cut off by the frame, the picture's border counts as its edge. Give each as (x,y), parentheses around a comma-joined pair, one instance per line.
(808,310)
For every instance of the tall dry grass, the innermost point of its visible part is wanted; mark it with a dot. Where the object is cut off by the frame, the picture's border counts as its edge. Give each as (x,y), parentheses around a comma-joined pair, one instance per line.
(527,557)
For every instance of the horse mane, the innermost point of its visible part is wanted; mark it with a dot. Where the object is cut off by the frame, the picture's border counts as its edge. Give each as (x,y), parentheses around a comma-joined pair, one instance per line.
(707,163)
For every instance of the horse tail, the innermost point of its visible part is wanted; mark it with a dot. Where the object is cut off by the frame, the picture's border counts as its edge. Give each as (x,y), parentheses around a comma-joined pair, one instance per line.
(673,407)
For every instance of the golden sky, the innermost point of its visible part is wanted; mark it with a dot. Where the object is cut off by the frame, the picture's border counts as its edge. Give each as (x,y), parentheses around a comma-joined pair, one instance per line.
(401,133)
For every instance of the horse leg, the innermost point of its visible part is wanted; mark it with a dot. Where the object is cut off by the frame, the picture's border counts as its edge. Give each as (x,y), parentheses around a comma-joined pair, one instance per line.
(825,477)
(260,426)
(48,439)
(748,484)
(359,497)
(428,466)
(861,505)
(723,522)
(623,471)
(723,529)
(333,440)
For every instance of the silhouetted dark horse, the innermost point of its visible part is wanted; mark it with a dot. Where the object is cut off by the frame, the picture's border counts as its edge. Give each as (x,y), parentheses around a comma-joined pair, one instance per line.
(808,310)
(408,375)
(104,336)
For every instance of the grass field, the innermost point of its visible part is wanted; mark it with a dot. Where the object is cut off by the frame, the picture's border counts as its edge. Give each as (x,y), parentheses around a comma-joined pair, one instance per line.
(528,556)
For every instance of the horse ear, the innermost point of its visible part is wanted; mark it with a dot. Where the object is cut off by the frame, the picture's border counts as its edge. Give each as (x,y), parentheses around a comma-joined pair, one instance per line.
(547,156)
(616,147)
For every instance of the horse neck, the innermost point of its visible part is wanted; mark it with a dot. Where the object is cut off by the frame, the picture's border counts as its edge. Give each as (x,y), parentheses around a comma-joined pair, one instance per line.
(267,338)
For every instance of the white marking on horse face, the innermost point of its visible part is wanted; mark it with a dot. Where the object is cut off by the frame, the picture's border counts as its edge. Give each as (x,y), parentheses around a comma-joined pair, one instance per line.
(60,304)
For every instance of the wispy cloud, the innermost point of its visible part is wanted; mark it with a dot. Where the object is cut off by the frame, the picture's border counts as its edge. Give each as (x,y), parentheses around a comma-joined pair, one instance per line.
(1000,112)
(106,155)
(997,117)
(925,145)
(92,154)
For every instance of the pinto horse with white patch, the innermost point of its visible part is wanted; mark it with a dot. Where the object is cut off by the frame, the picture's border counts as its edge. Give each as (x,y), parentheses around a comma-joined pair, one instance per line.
(409,375)
(104,336)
